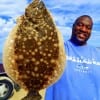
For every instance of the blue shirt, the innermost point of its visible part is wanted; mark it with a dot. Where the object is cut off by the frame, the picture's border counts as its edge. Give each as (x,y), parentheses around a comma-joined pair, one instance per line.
(81,77)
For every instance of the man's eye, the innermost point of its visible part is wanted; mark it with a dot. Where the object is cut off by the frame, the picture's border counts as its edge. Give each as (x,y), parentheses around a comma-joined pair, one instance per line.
(89,28)
(79,24)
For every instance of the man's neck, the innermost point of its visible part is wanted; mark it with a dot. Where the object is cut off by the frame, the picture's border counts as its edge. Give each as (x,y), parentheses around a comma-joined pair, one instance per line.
(77,43)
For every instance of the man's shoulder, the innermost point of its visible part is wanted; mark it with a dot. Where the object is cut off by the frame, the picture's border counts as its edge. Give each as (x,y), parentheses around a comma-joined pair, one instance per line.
(94,49)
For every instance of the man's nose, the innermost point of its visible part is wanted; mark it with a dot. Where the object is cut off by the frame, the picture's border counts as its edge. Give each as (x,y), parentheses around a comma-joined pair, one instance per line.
(84,28)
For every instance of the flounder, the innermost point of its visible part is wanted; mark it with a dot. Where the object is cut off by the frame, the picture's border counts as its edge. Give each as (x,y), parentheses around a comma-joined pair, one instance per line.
(34,55)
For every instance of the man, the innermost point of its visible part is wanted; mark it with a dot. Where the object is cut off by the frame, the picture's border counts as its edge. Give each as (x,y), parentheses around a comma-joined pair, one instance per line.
(81,77)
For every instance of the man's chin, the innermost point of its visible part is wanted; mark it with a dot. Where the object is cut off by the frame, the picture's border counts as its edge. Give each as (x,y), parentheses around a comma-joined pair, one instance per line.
(81,41)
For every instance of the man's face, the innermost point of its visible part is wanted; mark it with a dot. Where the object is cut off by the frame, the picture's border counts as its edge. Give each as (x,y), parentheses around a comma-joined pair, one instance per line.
(82,29)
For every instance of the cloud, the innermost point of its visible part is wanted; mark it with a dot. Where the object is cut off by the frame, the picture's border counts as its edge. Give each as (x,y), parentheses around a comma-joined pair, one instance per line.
(74,8)
(65,31)
(6,27)
(95,38)
(2,22)
(12,8)
(72,2)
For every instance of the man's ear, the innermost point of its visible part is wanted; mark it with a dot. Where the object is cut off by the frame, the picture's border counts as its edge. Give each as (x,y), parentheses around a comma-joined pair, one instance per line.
(73,26)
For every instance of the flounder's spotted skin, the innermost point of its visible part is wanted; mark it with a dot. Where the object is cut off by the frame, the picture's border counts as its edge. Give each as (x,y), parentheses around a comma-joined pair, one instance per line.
(36,49)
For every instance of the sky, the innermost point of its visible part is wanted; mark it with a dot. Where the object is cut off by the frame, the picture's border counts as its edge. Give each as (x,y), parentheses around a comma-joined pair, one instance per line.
(64,12)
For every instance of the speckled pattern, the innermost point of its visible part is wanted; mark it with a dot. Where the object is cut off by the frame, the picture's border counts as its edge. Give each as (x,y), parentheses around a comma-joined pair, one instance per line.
(38,53)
